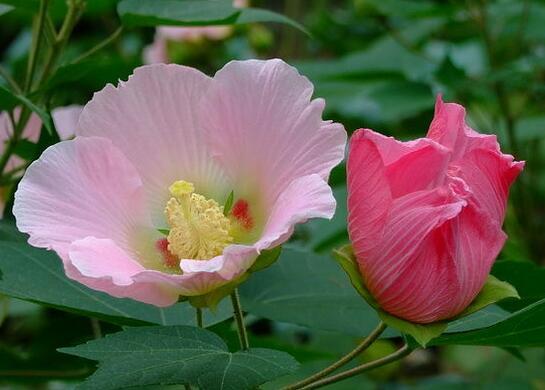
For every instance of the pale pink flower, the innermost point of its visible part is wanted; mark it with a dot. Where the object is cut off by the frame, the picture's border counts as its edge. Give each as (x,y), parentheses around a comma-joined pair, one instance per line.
(157,51)
(164,150)
(425,216)
(65,119)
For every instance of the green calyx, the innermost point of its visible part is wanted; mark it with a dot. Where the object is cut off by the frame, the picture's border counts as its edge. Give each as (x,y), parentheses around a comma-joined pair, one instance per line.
(493,291)
(213,298)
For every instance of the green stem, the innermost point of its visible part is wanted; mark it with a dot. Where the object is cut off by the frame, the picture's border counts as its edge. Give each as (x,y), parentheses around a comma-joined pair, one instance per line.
(344,360)
(198,315)
(12,83)
(97,330)
(75,9)
(100,46)
(36,45)
(239,318)
(399,354)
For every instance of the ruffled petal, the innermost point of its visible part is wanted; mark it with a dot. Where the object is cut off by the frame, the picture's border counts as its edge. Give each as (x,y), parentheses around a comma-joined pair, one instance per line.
(264,129)
(489,174)
(102,265)
(233,262)
(79,188)
(410,166)
(306,197)
(448,128)
(97,258)
(391,150)
(151,118)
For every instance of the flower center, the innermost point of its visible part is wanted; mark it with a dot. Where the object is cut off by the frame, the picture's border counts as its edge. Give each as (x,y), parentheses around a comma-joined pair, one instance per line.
(198,227)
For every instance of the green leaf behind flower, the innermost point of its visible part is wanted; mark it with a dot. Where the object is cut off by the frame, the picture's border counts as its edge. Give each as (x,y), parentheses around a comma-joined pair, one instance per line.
(195,13)
(524,328)
(178,355)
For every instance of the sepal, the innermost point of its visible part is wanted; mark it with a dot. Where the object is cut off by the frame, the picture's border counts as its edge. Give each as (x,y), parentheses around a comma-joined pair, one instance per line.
(494,290)
(213,298)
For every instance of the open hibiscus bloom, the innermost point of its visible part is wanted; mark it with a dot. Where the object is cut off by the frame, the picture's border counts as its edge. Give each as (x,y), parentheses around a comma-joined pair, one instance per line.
(425,216)
(135,205)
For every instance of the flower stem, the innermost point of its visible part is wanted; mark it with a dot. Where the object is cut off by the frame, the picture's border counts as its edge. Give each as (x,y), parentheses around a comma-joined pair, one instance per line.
(342,361)
(75,9)
(198,316)
(399,354)
(239,317)
(36,45)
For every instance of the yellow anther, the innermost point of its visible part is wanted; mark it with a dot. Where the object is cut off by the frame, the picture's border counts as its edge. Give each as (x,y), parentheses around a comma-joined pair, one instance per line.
(198,228)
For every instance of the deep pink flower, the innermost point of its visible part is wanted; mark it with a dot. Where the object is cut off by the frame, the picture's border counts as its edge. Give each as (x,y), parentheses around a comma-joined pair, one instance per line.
(425,216)
(164,150)
(65,119)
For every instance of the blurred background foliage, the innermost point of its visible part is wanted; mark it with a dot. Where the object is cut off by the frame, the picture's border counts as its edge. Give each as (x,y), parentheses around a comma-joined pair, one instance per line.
(379,64)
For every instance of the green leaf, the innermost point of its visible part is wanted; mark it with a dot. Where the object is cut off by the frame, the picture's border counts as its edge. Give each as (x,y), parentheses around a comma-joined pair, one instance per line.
(253,15)
(266,259)
(524,328)
(195,13)
(178,355)
(493,291)
(36,275)
(26,150)
(307,289)
(164,232)
(9,100)
(176,12)
(528,278)
(422,333)
(484,318)
(229,203)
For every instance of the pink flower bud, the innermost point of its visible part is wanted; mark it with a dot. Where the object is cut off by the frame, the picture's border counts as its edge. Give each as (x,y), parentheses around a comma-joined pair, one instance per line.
(425,216)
